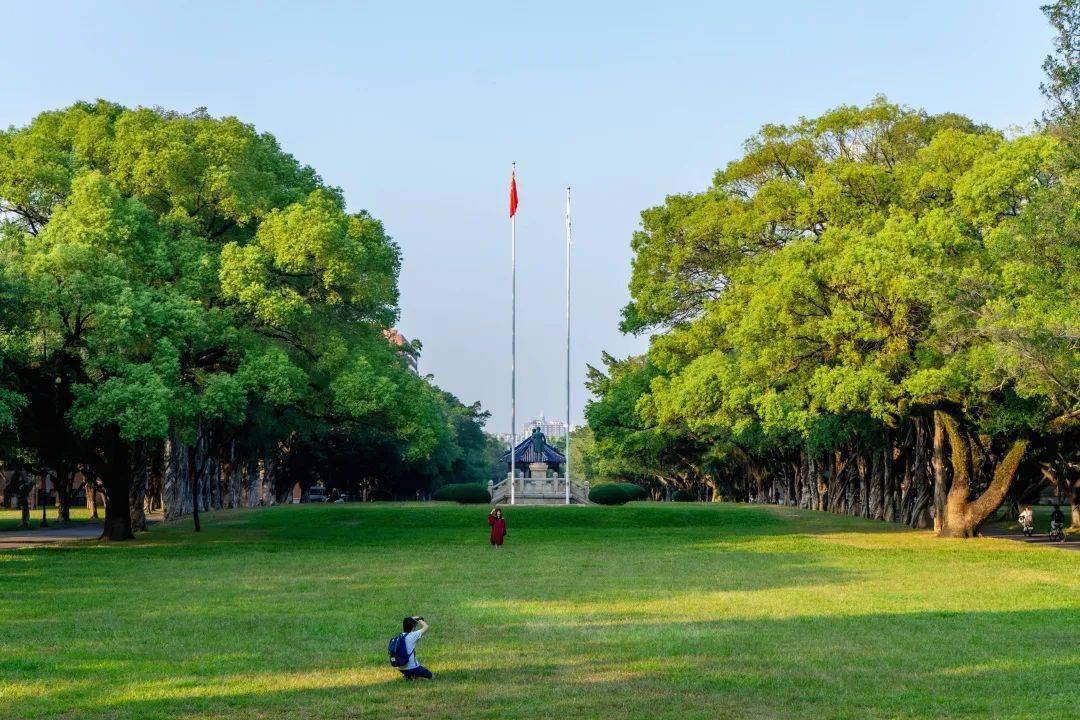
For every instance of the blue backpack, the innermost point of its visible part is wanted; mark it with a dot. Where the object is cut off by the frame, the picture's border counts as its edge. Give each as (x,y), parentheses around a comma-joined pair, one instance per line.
(399,653)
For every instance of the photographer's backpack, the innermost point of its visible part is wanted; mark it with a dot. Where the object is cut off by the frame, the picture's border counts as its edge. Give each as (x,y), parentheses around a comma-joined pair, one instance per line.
(399,652)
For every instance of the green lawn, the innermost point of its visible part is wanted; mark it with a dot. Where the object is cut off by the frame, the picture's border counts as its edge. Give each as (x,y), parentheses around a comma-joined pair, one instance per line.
(644,611)
(9,519)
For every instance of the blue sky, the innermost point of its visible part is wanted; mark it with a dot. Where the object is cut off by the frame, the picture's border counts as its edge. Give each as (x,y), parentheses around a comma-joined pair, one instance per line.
(417,109)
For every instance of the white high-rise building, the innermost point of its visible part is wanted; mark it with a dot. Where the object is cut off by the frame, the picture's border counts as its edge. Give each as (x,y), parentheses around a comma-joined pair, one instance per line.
(551,428)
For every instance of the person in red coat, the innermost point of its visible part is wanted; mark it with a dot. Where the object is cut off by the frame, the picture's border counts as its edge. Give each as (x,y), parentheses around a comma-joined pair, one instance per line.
(498,527)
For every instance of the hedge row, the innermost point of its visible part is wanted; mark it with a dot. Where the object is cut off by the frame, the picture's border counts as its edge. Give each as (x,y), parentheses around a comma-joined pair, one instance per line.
(464,493)
(617,493)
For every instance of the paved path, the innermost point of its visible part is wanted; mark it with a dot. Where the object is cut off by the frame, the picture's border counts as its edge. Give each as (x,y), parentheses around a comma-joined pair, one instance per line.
(29,538)
(9,540)
(1071,543)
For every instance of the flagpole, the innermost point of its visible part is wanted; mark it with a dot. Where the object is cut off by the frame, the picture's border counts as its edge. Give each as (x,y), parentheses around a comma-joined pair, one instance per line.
(568,240)
(513,335)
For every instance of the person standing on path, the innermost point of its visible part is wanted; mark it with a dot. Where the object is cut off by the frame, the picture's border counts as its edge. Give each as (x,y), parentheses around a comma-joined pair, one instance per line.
(498,527)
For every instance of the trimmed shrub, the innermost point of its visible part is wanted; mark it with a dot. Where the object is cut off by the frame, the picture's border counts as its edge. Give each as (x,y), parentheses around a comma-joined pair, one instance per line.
(609,494)
(682,496)
(635,492)
(464,493)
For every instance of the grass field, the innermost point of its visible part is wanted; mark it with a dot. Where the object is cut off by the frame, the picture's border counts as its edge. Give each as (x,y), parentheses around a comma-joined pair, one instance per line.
(642,611)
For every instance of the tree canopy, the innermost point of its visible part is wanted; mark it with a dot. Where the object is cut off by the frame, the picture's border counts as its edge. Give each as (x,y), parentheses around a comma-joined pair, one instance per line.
(849,275)
(179,279)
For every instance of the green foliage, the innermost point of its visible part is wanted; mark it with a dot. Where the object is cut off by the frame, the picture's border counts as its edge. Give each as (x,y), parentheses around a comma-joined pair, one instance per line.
(846,271)
(682,496)
(610,494)
(179,274)
(1062,67)
(583,453)
(476,463)
(628,443)
(634,491)
(464,493)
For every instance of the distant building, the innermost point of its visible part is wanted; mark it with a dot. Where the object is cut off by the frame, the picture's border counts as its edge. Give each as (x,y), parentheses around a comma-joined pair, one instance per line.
(550,428)
(394,337)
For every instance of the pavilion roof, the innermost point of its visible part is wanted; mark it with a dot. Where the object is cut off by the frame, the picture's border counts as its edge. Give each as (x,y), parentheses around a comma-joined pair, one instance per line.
(535,448)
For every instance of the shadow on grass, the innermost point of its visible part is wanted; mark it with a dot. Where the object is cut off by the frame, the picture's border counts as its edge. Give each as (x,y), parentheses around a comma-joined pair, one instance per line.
(911,665)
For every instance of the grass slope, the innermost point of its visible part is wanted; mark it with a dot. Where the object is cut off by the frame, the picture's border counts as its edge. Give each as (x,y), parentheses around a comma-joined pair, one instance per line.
(643,611)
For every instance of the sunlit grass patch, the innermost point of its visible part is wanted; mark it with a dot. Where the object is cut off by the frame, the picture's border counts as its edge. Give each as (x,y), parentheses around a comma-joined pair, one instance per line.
(10,519)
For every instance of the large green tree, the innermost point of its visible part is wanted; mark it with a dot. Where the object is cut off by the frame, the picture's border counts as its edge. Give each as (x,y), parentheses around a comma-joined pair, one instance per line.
(869,265)
(187,291)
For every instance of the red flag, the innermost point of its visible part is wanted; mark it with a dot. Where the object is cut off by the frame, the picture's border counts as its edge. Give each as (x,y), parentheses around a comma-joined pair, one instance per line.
(513,192)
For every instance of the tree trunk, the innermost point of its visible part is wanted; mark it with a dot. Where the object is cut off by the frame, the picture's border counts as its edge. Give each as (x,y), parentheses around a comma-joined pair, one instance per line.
(22,492)
(922,517)
(254,486)
(941,478)
(91,486)
(44,475)
(237,480)
(176,486)
(714,488)
(280,484)
(117,486)
(137,493)
(793,483)
(154,479)
(889,496)
(838,487)
(862,500)
(821,488)
(234,478)
(194,472)
(212,480)
(963,516)
(62,483)
(1075,500)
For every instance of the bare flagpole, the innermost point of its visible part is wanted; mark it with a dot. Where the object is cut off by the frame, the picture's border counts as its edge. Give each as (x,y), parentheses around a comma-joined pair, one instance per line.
(513,329)
(569,237)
